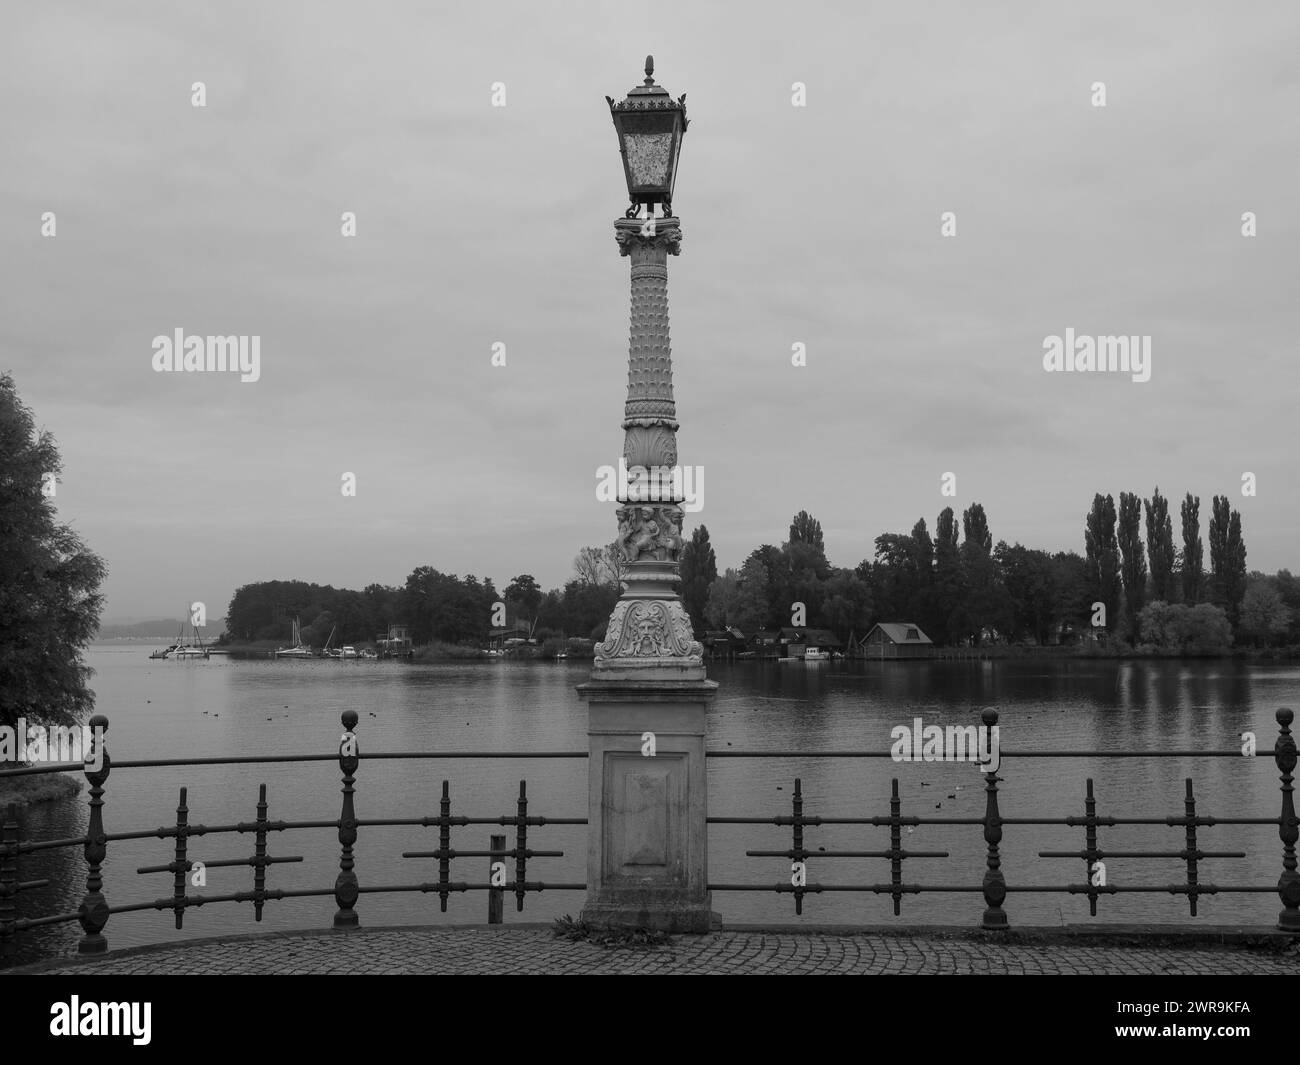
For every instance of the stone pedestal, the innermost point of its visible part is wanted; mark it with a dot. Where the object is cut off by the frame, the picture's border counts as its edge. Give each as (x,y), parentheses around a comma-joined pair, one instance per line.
(647,837)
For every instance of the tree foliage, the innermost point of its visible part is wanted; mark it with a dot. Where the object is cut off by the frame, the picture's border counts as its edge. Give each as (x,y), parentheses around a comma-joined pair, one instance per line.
(699,569)
(1133,566)
(1192,570)
(805,529)
(49,581)
(1177,629)
(1160,546)
(1102,555)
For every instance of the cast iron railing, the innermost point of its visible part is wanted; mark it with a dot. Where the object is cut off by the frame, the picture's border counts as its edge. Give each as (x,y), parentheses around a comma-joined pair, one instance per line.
(94,912)
(994,886)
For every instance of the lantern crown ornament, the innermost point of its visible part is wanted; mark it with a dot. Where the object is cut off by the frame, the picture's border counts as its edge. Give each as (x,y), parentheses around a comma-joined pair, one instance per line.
(650,124)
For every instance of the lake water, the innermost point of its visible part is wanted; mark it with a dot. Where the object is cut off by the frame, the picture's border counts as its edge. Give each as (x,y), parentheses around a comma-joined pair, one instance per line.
(222,707)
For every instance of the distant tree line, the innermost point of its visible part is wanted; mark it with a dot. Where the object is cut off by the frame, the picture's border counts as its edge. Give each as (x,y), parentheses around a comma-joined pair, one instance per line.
(961,588)
(958,585)
(431,604)
(265,610)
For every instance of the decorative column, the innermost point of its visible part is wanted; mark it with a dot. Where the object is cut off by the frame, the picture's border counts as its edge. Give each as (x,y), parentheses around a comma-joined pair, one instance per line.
(648,697)
(647,837)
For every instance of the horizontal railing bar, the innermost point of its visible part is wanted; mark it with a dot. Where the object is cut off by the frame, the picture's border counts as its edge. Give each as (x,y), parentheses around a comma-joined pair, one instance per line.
(450,854)
(785,820)
(153,763)
(189,863)
(261,759)
(1149,889)
(164,832)
(460,886)
(277,894)
(1002,751)
(29,846)
(813,821)
(49,767)
(1102,852)
(457,820)
(1167,822)
(1073,889)
(845,854)
(24,923)
(814,889)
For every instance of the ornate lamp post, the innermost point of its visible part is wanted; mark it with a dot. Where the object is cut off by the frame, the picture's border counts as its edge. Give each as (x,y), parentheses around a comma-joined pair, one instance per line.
(648,695)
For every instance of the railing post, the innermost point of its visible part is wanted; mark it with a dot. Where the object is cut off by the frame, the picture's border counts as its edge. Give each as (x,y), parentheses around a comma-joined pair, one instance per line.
(181,862)
(1193,853)
(521,847)
(1092,854)
(796,835)
(995,884)
(346,890)
(496,896)
(260,861)
(1288,885)
(93,912)
(9,836)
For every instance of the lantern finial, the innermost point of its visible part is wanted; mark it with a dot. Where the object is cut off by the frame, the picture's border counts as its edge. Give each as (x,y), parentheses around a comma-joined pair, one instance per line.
(649,70)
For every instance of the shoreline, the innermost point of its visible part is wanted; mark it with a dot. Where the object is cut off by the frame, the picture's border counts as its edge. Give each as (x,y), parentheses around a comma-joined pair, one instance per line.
(38,788)
(456,652)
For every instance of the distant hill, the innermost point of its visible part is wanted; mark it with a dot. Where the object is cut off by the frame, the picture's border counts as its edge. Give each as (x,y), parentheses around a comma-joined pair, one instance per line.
(162,628)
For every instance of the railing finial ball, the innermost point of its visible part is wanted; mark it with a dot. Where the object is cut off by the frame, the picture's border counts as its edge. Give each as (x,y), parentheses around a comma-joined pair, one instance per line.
(100,722)
(990,716)
(1285,716)
(350,719)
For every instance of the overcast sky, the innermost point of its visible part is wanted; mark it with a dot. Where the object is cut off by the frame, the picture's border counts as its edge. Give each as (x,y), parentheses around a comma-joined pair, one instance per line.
(477,224)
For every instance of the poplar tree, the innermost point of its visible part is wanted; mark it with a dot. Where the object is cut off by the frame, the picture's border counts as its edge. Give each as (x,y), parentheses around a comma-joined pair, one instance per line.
(1134,565)
(1160,546)
(1101,555)
(1220,518)
(1192,572)
(699,569)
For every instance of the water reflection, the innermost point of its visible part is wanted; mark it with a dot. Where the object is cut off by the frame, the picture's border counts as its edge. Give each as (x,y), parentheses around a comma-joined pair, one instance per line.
(163,709)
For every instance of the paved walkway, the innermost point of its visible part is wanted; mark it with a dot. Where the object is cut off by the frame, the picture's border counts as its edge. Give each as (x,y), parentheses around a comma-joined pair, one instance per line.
(534,950)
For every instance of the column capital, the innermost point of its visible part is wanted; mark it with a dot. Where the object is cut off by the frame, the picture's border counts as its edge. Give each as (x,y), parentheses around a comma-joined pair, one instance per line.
(648,234)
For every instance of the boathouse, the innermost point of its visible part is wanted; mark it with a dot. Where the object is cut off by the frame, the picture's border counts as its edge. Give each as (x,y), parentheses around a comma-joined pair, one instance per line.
(895,639)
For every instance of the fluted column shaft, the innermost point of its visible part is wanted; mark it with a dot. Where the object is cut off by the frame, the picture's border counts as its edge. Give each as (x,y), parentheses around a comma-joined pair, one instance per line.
(649,624)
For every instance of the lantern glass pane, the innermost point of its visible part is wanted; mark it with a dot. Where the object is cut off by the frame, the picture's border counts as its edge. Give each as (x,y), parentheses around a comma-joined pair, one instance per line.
(648,157)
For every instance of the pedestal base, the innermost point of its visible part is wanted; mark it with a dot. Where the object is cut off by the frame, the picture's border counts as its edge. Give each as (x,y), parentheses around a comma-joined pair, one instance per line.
(647,834)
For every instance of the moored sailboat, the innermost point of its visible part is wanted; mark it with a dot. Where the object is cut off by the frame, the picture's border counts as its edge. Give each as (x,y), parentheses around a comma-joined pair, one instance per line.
(297,650)
(181,648)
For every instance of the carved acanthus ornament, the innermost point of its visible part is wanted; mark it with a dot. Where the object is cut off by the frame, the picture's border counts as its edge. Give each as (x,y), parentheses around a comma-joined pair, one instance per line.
(649,628)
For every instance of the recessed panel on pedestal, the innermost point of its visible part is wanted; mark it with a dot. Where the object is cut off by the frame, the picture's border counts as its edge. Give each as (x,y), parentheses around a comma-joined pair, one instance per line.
(644,802)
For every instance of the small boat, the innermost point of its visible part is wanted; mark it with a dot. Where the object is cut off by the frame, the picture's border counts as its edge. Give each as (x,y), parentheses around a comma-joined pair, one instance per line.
(367,654)
(346,651)
(816,654)
(184,649)
(297,650)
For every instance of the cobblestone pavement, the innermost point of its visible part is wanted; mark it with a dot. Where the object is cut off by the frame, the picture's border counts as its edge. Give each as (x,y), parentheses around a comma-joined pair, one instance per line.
(536,951)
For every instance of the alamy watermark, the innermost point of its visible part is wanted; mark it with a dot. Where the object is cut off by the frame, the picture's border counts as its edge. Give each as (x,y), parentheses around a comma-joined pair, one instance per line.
(1108,354)
(52,743)
(75,1017)
(955,743)
(651,484)
(198,354)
